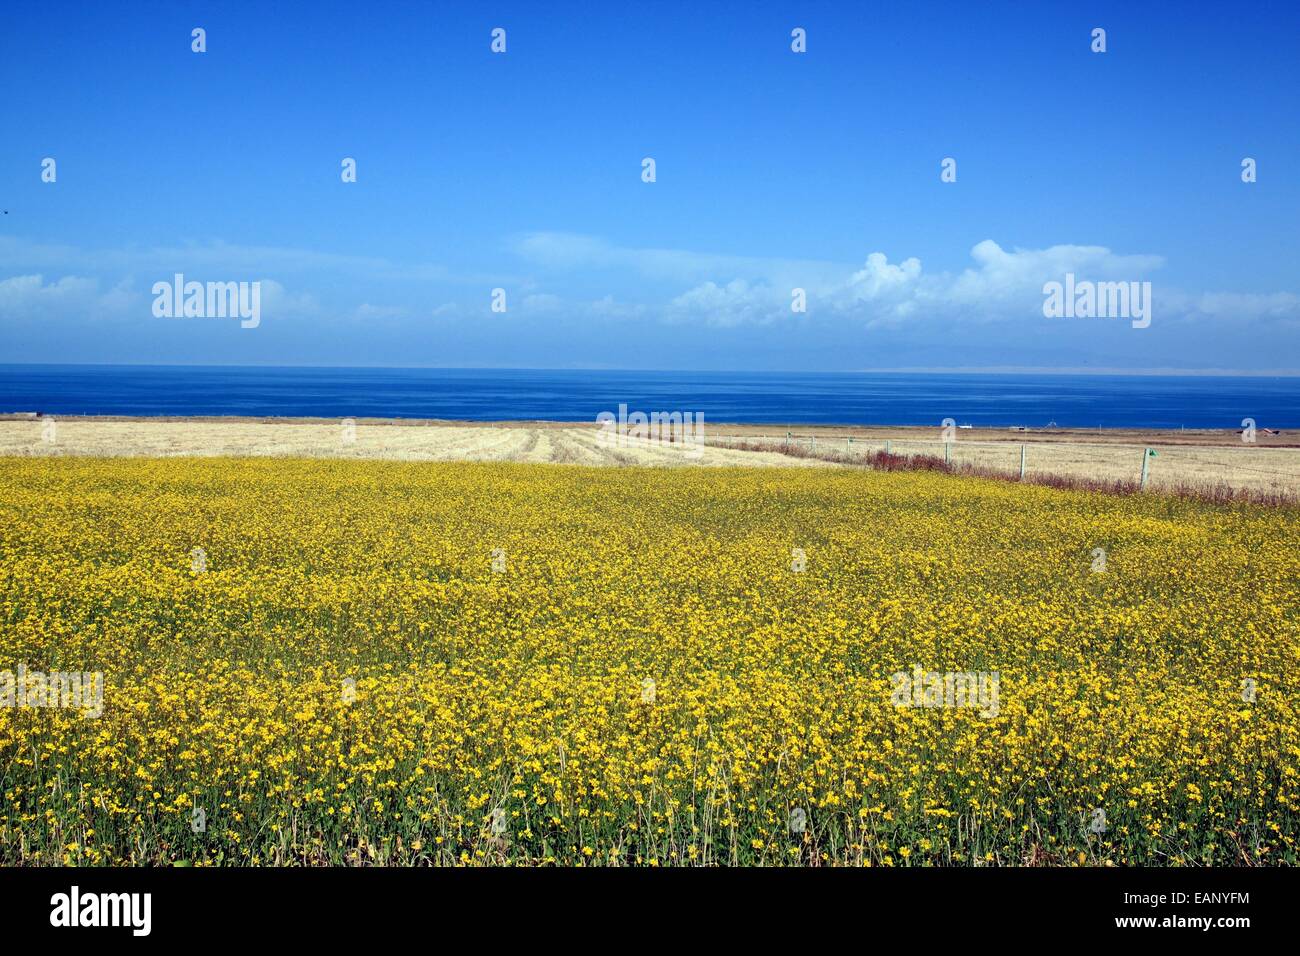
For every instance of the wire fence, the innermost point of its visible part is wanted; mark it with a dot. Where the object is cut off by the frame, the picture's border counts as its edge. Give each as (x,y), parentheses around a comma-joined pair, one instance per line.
(1175,465)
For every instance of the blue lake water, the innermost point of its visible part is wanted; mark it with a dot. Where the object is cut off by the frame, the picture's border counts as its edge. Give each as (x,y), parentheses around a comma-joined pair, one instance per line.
(1112,401)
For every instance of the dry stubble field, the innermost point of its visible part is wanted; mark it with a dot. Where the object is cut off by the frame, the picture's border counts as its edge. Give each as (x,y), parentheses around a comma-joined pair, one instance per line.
(1200,459)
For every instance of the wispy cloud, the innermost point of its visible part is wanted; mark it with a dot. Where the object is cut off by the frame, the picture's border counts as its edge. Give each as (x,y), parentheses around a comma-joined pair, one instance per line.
(1000,286)
(33,298)
(584,296)
(559,253)
(224,258)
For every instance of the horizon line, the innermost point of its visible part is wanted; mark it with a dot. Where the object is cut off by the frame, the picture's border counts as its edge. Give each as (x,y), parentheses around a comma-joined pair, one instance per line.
(1157,372)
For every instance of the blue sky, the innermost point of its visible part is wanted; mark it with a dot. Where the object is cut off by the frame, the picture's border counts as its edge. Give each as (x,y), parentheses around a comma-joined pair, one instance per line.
(775,170)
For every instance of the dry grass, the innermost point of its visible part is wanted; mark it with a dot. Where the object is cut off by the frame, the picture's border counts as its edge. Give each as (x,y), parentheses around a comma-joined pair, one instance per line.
(1267,473)
(1223,461)
(517,442)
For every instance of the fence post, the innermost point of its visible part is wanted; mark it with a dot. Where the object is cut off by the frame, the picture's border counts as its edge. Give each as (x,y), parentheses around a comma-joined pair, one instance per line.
(1022,462)
(886,446)
(1146,455)
(947,452)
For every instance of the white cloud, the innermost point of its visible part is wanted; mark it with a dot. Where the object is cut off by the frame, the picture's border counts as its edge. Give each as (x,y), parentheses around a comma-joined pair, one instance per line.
(670,285)
(220,261)
(570,252)
(541,302)
(79,299)
(1000,286)
(31,297)
(1235,306)
(1001,276)
(736,303)
(879,279)
(368,312)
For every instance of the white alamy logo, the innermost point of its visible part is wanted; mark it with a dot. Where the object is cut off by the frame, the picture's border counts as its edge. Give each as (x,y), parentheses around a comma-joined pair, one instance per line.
(682,429)
(68,690)
(211,300)
(1098,300)
(134,910)
(922,688)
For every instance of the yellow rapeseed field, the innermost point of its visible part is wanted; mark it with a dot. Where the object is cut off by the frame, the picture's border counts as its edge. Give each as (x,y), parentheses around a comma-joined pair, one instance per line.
(371,662)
